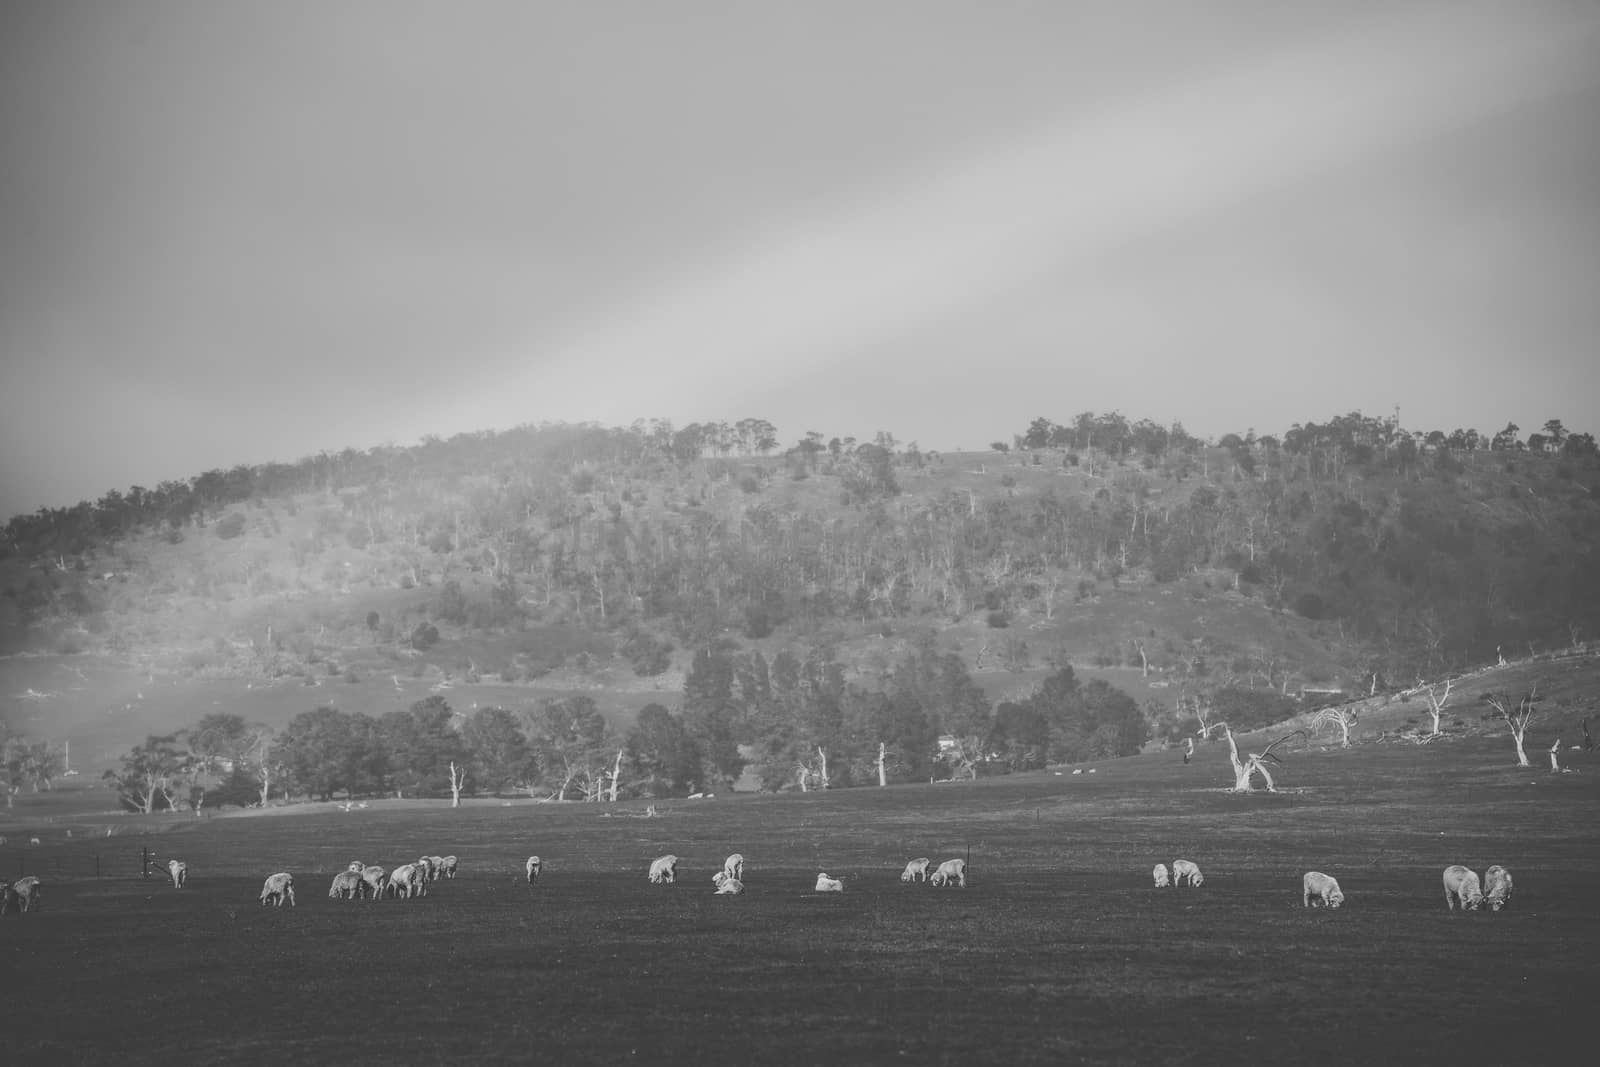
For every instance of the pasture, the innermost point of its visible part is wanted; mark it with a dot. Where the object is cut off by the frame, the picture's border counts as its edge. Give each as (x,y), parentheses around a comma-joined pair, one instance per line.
(1058,951)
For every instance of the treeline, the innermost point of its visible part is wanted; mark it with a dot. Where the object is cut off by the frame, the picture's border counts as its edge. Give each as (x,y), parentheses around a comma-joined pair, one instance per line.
(806,727)
(1426,556)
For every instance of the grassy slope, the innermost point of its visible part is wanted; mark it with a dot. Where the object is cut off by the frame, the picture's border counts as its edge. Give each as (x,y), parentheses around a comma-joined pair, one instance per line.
(1059,950)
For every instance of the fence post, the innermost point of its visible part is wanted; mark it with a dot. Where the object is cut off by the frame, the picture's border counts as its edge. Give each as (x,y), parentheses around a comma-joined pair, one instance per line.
(144,862)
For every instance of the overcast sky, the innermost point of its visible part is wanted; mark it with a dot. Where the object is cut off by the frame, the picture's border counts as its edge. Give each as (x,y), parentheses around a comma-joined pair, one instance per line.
(239,232)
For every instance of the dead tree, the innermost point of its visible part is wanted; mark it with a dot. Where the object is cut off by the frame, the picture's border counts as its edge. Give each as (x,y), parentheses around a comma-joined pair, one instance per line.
(1516,718)
(616,775)
(883,754)
(1201,713)
(1555,757)
(1436,703)
(1254,763)
(458,778)
(1188,752)
(1345,717)
(1588,742)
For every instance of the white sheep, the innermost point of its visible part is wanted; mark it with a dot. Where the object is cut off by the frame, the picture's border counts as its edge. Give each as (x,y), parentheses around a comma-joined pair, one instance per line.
(1497,887)
(435,868)
(829,885)
(278,888)
(1322,887)
(664,869)
(25,892)
(734,866)
(1185,870)
(1160,875)
(1461,886)
(950,871)
(179,871)
(533,867)
(407,880)
(447,866)
(346,886)
(424,865)
(373,882)
(916,870)
(729,886)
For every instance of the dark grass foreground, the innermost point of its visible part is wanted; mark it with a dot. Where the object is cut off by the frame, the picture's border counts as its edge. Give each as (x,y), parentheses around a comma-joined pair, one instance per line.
(1059,951)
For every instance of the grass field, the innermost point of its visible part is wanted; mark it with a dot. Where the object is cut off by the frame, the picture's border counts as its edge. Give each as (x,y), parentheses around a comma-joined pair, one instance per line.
(1058,951)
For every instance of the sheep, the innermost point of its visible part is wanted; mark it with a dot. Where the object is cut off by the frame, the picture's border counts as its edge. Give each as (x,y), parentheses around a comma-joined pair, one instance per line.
(407,880)
(1182,869)
(373,882)
(1461,886)
(1321,886)
(179,871)
(734,866)
(950,871)
(1160,875)
(278,888)
(664,869)
(424,864)
(346,886)
(1497,887)
(829,885)
(729,886)
(447,867)
(25,893)
(435,868)
(916,870)
(532,868)
(8,898)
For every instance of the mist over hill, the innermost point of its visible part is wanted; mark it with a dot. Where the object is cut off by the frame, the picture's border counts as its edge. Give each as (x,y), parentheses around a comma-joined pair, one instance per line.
(788,592)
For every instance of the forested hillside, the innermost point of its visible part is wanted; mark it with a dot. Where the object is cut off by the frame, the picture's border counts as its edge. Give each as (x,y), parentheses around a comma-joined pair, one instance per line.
(809,592)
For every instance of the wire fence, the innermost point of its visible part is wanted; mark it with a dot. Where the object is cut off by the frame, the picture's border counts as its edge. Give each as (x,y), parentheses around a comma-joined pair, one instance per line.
(61,864)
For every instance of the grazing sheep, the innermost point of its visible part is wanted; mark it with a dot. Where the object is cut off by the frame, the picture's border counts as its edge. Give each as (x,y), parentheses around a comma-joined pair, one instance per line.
(424,864)
(25,892)
(408,880)
(734,866)
(533,867)
(1160,875)
(435,868)
(346,886)
(278,888)
(950,871)
(916,870)
(179,871)
(1461,886)
(357,866)
(729,886)
(829,885)
(1182,869)
(1321,886)
(373,882)
(664,869)
(447,866)
(1497,887)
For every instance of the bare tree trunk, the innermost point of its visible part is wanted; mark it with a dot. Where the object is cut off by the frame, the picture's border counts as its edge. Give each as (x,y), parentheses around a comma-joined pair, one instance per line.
(1241,773)
(804,778)
(883,778)
(458,778)
(616,775)
(1555,761)
(1522,755)
(824,758)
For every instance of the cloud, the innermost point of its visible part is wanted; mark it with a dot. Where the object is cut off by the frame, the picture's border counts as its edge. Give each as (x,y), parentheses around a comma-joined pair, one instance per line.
(903,258)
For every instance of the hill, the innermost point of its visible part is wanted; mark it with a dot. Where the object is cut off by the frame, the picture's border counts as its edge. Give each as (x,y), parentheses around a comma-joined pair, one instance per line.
(554,560)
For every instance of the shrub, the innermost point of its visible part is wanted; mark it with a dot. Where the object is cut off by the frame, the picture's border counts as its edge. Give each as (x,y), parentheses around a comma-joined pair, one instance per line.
(230,527)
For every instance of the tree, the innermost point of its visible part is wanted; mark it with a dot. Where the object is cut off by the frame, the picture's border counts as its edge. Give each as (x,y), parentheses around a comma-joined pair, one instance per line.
(1517,717)
(420,744)
(662,758)
(1342,716)
(328,750)
(498,749)
(571,738)
(1253,764)
(152,774)
(1436,703)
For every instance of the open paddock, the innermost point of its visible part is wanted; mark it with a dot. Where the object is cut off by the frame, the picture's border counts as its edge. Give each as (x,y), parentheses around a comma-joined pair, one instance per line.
(1059,950)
